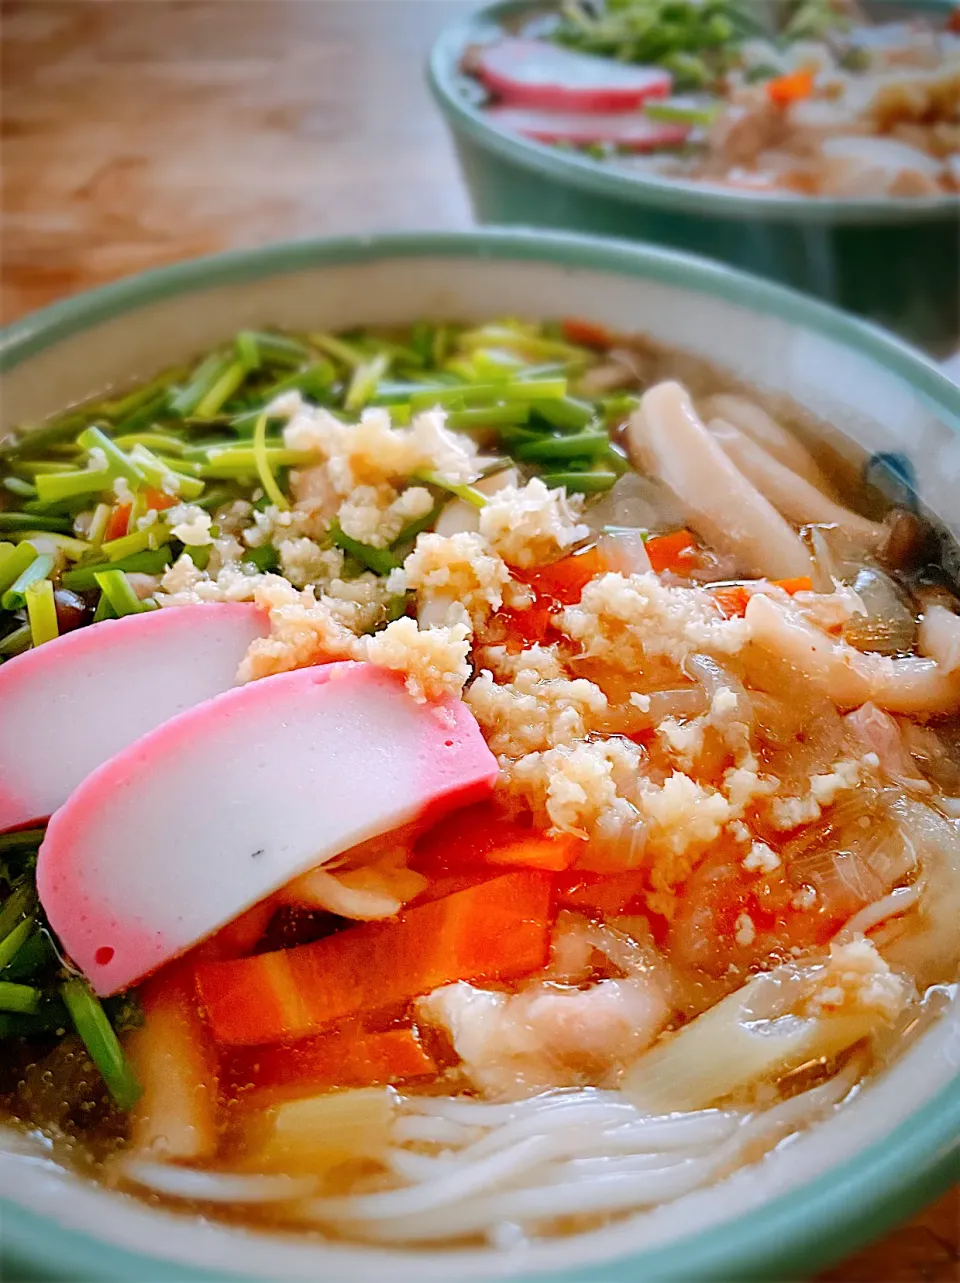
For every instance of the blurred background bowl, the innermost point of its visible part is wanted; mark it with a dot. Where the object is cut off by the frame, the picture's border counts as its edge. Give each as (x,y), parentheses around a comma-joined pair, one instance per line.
(894,261)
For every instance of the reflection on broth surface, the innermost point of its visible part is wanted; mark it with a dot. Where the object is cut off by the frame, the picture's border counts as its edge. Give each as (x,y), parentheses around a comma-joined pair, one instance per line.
(565,812)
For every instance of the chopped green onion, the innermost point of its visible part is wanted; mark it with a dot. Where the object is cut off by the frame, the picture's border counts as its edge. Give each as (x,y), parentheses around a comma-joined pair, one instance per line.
(39,568)
(104,609)
(20,998)
(159,474)
(469,494)
(549,448)
(523,340)
(245,345)
(566,412)
(314,381)
(409,532)
(42,612)
(127,545)
(22,900)
(380,560)
(264,557)
(280,349)
(338,349)
(152,562)
(14,559)
(117,589)
(221,392)
(11,943)
(70,547)
(151,441)
(493,416)
(119,463)
(262,460)
(18,520)
(363,382)
(582,482)
(15,643)
(17,486)
(205,377)
(477,393)
(683,111)
(98,523)
(51,487)
(91,1023)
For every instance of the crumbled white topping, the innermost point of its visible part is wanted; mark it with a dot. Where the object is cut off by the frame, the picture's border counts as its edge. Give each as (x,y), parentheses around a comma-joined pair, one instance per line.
(528,525)
(746,932)
(682,740)
(433,660)
(530,714)
(190,524)
(804,899)
(303,562)
(856,977)
(460,569)
(724,702)
(790,812)
(761,858)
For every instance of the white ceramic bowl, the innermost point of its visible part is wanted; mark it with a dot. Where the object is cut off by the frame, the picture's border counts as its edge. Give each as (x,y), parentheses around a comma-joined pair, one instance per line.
(813,1199)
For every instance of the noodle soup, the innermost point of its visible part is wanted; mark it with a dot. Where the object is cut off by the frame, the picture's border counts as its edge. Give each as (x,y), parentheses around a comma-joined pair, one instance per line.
(502,780)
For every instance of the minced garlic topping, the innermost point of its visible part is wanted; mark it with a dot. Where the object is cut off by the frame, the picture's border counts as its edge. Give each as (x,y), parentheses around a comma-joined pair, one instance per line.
(857,978)
(528,525)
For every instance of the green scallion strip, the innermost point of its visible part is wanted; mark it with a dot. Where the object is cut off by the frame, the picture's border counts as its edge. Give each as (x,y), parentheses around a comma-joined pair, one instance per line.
(117,589)
(248,353)
(18,520)
(340,351)
(39,568)
(151,441)
(22,900)
(262,459)
(263,558)
(221,392)
(70,547)
(159,474)
(128,545)
(91,1023)
(104,609)
(363,382)
(280,349)
(24,999)
(17,486)
(152,562)
(547,449)
(580,482)
(682,111)
(14,559)
(42,612)
(98,523)
(566,413)
(409,532)
(380,560)
(119,463)
(185,400)
(52,487)
(477,393)
(493,416)
(11,943)
(15,643)
(314,381)
(469,494)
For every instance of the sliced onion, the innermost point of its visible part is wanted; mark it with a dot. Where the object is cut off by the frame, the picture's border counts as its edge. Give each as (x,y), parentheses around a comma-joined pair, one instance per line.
(890,626)
(624,551)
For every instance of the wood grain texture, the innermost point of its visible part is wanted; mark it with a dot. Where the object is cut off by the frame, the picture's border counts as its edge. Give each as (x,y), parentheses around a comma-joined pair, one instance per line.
(138,132)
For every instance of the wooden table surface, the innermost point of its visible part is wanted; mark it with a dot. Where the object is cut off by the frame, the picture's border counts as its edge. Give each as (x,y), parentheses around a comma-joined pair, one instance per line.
(135,134)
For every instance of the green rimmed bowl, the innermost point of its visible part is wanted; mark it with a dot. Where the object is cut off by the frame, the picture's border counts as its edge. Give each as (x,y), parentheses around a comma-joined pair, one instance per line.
(896,262)
(889,1150)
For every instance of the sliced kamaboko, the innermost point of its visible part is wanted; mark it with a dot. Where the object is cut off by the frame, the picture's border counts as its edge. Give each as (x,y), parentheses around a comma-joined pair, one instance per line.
(767,432)
(791,494)
(627,130)
(909,684)
(667,438)
(74,702)
(776,1022)
(226,803)
(533,73)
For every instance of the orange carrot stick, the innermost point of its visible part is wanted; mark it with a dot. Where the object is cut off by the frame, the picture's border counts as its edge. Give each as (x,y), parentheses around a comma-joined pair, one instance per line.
(348,1057)
(117,523)
(784,90)
(495,930)
(671,552)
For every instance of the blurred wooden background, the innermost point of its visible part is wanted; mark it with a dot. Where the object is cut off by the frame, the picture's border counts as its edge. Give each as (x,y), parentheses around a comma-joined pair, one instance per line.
(137,132)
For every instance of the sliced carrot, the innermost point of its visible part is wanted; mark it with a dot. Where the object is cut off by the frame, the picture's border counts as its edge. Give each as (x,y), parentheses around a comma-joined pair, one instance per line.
(605,895)
(478,836)
(531,627)
(554,854)
(496,930)
(118,521)
(671,552)
(585,333)
(348,1057)
(733,598)
(158,499)
(563,581)
(797,85)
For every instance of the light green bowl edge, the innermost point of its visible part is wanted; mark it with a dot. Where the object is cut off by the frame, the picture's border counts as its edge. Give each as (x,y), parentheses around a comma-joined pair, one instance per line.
(591,177)
(796,1233)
